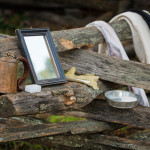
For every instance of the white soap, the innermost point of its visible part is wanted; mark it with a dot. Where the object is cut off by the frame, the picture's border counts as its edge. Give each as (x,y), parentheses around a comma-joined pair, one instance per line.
(128,99)
(125,99)
(33,88)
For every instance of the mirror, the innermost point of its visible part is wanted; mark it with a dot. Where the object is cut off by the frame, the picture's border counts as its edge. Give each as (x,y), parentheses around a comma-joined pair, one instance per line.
(42,56)
(43,63)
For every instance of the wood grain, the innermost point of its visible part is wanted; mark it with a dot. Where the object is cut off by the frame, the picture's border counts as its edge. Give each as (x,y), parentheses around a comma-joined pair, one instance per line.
(34,131)
(50,99)
(70,39)
(92,141)
(108,68)
(53,99)
(100,110)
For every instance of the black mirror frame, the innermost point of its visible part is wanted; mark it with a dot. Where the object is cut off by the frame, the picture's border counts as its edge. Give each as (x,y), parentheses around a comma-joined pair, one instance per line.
(24,51)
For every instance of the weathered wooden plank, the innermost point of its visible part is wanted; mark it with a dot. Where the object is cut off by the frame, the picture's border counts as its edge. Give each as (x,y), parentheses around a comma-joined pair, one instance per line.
(27,120)
(70,39)
(93,141)
(75,142)
(3,36)
(100,110)
(8,122)
(20,121)
(108,68)
(50,99)
(141,136)
(34,131)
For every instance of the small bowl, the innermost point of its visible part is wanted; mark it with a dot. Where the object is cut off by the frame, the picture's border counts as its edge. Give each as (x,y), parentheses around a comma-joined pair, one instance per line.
(122,99)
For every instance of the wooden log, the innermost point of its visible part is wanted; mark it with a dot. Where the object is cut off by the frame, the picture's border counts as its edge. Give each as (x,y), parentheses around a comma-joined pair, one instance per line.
(99,5)
(92,141)
(70,39)
(108,68)
(4,36)
(100,110)
(34,131)
(50,99)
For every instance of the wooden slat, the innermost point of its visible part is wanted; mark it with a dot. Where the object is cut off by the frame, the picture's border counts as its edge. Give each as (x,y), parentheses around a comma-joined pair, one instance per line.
(70,39)
(34,131)
(108,68)
(92,141)
(100,110)
(12,122)
(141,136)
(8,122)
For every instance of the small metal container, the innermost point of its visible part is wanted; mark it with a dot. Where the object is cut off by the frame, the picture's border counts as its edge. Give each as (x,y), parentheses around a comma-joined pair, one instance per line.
(8,74)
(122,99)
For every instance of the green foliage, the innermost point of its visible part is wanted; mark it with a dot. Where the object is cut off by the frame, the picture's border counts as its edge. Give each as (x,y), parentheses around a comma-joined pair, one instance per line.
(9,24)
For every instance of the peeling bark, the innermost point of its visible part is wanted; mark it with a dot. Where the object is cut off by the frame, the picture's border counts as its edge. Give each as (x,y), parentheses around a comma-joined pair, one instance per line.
(76,38)
(50,99)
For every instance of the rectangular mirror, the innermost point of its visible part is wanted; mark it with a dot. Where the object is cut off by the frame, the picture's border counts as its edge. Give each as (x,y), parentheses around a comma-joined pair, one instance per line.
(38,47)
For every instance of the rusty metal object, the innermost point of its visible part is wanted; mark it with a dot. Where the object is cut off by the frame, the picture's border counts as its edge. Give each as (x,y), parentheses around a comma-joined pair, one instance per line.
(21,80)
(8,74)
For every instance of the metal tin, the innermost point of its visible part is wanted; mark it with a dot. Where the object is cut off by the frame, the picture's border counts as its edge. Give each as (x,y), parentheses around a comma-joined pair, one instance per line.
(122,99)
(8,75)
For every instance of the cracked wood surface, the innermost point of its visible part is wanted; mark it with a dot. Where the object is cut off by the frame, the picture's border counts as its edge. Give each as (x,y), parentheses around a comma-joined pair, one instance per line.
(41,130)
(92,141)
(141,136)
(50,99)
(107,68)
(70,39)
(100,110)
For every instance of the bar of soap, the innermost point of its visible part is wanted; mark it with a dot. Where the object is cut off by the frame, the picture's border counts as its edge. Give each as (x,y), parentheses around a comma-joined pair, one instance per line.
(33,88)
(128,99)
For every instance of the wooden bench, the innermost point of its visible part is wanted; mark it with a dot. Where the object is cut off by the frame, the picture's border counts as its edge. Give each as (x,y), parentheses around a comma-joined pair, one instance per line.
(101,119)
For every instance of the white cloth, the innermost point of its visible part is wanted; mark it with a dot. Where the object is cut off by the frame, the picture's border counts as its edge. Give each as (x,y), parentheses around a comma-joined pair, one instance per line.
(116,49)
(140,33)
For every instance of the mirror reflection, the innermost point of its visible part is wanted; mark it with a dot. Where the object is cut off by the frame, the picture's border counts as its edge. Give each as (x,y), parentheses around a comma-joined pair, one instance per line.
(41,57)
